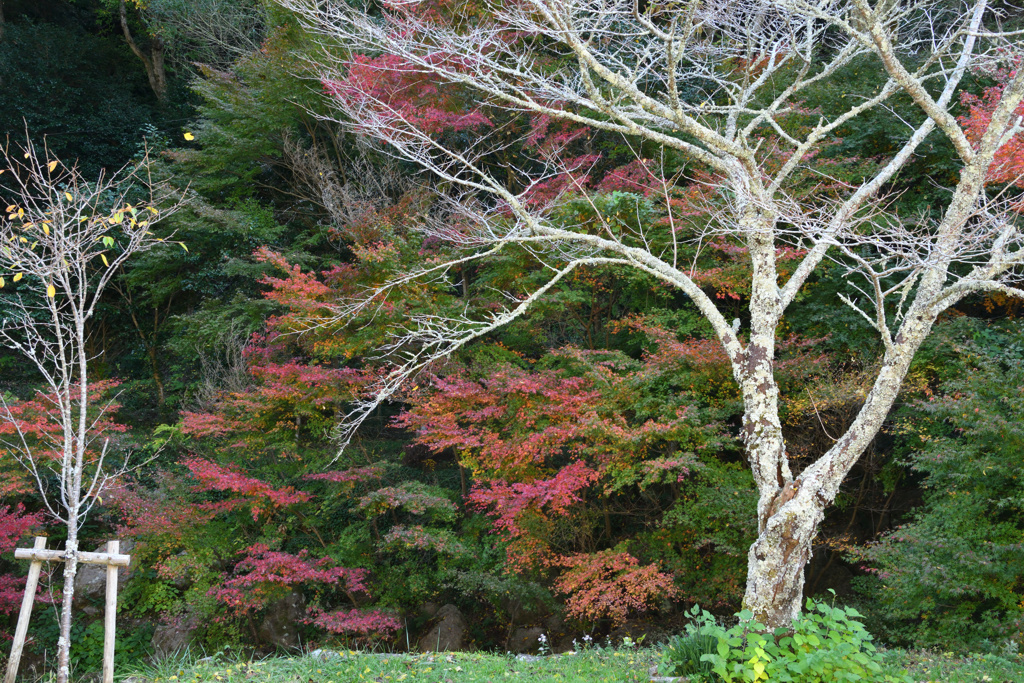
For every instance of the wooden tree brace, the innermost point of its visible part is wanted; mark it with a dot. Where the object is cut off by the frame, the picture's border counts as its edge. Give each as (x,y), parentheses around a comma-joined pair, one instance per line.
(107,558)
(39,554)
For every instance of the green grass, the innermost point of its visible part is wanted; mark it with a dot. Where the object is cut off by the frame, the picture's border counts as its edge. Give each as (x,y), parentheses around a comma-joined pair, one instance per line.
(598,666)
(946,667)
(459,667)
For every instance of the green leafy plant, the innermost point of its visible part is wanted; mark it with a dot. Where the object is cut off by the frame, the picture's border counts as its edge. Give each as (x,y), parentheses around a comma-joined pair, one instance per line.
(683,654)
(824,644)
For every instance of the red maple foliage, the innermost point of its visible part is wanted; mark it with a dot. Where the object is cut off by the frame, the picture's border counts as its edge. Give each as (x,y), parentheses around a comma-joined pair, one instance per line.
(259,495)
(355,622)
(264,575)
(611,584)
(14,524)
(33,420)
(400,89)
(547,446)
(1008,166)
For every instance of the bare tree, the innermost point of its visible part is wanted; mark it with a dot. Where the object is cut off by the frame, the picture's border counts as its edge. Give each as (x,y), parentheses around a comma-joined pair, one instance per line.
(714,80)
(210,32)
(62,242)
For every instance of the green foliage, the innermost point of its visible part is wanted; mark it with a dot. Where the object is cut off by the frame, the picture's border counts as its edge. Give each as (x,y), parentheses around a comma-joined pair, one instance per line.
(133,643)
(824,644)
(951,575)
(245,115)
(704,537)
(63,83)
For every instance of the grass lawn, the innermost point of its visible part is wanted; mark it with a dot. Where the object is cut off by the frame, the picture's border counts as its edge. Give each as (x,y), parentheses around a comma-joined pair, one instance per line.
(946,667)
(600,666)
(460,667)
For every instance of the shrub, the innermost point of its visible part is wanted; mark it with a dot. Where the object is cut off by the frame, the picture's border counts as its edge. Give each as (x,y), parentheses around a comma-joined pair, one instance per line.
(683,655)
(824,644)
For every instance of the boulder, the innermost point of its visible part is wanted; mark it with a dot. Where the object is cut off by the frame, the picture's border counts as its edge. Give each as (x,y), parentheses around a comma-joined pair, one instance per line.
(448,632)
(429,610)
(526,640)
(175,636)
(91,582)
(649,632)
(280,627)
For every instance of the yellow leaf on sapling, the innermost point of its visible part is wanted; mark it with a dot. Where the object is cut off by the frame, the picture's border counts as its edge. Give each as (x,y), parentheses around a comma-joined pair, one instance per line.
(51,291)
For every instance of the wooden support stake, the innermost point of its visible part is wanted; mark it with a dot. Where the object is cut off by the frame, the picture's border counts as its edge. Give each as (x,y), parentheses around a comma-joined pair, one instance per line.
(110,615)
(26,612)
(39,554)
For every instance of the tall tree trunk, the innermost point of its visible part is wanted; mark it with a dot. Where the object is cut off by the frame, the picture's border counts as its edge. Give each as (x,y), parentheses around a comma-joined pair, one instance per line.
(70,570)
(72,479)
(154,61)
(158,378)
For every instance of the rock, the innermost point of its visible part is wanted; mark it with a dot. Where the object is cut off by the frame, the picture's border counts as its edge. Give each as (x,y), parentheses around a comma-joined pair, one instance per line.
(180,579)
(324,655)
(174,637)
(567,643)
(32,666)
(429,610)
(447,633)
(642,631)
(555,624)
(529,658)
(526,640)
(91,582)
(280,626)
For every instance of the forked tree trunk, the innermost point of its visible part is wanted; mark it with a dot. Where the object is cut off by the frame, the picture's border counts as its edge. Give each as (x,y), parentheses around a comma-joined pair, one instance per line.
(789,513)
(777,559)
(156,71)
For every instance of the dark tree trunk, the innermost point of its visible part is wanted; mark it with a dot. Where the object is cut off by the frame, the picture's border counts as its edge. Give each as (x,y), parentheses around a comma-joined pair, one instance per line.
(154,61)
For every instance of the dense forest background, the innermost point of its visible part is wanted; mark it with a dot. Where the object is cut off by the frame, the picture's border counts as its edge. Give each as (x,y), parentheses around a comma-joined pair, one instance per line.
(578,471)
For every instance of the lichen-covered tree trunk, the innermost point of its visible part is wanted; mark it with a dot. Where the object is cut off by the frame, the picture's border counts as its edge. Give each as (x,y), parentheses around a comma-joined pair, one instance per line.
(776,560)
(790,509)
(70,570)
